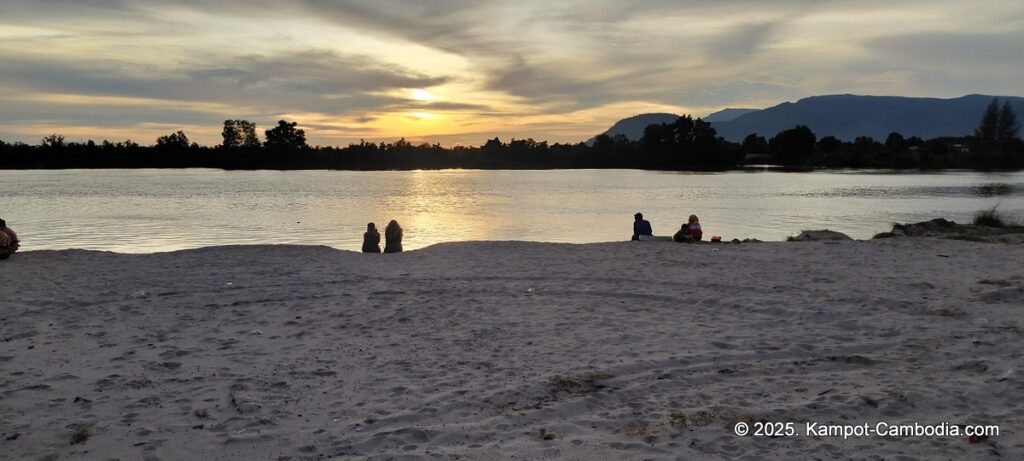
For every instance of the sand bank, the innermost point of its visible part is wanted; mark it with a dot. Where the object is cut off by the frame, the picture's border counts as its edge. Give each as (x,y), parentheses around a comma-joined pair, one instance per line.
(502,350)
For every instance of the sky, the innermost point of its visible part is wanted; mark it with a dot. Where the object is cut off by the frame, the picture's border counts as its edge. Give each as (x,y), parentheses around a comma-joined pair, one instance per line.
(459,72)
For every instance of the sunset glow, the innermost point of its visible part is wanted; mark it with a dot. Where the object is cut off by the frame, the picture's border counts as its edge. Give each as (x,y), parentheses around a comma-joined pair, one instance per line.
(422,95)
(348,70)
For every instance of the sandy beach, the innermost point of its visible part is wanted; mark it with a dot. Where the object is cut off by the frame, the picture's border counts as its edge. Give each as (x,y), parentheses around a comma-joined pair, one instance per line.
(511,351)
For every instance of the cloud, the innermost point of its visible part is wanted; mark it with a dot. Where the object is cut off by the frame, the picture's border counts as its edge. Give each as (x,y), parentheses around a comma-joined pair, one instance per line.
(301,81)
(572,55)
(549,68)
(459,26)
(742,41)
(107,94)
(317,71)
(444,106)
(967,51)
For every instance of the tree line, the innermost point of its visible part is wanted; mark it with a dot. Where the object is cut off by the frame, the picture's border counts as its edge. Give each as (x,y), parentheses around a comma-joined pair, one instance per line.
(686,144)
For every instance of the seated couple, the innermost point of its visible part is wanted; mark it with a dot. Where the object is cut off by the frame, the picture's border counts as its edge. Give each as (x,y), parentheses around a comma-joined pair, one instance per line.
(392,238)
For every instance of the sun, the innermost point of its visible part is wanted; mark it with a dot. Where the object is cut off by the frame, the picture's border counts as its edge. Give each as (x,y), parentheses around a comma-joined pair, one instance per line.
(422,95)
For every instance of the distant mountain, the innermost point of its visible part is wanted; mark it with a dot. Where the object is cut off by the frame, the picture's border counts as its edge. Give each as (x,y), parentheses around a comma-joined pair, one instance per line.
(728,115)
(849,116)
(633,127)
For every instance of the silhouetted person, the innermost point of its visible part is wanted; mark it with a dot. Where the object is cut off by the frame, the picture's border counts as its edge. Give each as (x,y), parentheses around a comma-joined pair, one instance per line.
(393,237)
(371,239)
(641,226)
(8,241)
(681,234)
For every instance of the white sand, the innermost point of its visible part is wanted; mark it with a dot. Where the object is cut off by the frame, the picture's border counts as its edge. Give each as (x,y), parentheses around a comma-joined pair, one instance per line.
(448,352)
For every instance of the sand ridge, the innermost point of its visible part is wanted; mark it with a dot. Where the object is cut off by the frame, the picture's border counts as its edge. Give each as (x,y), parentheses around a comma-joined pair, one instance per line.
(500,350)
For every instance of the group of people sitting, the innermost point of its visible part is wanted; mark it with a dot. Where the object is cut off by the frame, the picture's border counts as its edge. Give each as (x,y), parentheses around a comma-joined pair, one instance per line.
(8,240)
(690,232)
(392,238)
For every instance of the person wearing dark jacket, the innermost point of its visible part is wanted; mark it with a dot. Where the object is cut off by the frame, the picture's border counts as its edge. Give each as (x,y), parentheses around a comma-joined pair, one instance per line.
(641,226)
(371,239)
(393,237)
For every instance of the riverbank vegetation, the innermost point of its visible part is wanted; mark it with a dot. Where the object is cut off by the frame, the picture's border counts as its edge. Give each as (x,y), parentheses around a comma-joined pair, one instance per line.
(686,144)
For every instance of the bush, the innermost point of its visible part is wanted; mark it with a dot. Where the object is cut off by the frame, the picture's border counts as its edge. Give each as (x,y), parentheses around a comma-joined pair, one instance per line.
(989,218)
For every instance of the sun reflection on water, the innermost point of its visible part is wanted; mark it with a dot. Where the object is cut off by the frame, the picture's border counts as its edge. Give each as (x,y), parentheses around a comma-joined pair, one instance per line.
(162,210)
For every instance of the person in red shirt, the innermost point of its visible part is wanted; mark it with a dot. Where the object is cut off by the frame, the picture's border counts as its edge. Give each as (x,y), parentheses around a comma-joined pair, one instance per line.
(9,241)
(694,227)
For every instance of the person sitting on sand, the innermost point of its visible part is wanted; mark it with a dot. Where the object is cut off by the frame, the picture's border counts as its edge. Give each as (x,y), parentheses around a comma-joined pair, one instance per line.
(9,242)
(371,239)
(641,226)
(393,237)
(693,233)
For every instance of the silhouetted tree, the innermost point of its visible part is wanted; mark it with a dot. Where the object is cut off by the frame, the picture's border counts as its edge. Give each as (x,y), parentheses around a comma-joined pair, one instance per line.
(240,133)
(895,142)
(988,129)
(603,141)
(703,143)
(829,144)
(401,144)
(53,141)
(493,146)
(1007,128)
(792,146)
(286,136)
(231,134)
(250,140)
(865,144)
(658,137)
(176,140)
(755,144)
(685,142)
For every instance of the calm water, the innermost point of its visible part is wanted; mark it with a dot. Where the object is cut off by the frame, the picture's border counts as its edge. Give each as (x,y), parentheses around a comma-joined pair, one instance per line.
(160,210)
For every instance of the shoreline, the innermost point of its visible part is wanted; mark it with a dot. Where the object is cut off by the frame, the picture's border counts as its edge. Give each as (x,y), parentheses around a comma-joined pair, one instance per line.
(489,350)
(1009,235)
